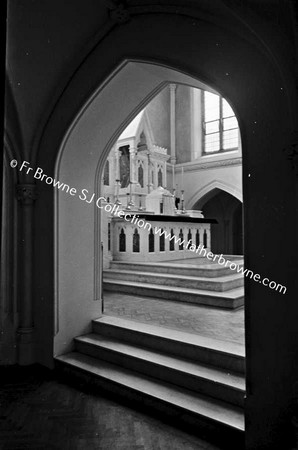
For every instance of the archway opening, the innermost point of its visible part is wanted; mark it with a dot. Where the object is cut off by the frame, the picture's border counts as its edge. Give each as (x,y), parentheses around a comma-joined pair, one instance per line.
(113,272)
(178,147)
(80,164)
(227,234)
(246,64)
(122,157)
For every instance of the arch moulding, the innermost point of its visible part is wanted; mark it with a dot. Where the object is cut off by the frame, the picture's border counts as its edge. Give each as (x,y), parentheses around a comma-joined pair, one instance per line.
(240,74)
(215,184)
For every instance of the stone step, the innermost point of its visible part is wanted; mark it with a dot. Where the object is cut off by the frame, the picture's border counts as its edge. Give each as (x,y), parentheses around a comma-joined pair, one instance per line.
(220,284)
(231,299)
(195,376)
(175,268)
(212,352)
(215,417)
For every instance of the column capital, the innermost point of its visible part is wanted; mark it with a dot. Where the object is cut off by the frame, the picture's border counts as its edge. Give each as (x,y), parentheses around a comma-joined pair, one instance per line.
(26,193)
(173,87)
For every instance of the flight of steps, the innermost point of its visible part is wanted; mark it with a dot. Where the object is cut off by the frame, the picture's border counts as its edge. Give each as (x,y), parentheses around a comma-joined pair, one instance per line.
(209,284)
(191,379)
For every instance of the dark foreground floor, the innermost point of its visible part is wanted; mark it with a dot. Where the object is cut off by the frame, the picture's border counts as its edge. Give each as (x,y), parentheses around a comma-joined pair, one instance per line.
(40,412)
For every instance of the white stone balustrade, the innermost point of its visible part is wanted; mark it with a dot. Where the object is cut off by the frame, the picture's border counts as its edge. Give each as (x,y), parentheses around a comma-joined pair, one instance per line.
(139,239)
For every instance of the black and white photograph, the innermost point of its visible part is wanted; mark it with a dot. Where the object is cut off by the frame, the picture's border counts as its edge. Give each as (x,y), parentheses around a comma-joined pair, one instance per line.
(149,225)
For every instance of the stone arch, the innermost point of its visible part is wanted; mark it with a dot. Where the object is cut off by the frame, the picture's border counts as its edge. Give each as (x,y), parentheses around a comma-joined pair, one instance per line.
(207,191)
(249,66)
(227,234)
(72,161)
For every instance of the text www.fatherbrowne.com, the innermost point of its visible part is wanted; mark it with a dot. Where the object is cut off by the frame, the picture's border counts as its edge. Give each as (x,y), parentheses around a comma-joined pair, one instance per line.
(136,220)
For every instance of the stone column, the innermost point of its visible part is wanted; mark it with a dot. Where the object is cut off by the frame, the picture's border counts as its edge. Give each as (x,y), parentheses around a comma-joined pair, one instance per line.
(133,173)
(164,181)
(173,122)
(208,238)
(155,175)
(167,243)
(133,165)
(117,177)
(117,169)
(129,255)
(149,180)
(143,242)
(26,195)
(185,233)
(201,233)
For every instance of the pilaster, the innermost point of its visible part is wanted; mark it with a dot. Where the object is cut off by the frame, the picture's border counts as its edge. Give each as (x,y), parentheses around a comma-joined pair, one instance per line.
(26,195)
(173,157)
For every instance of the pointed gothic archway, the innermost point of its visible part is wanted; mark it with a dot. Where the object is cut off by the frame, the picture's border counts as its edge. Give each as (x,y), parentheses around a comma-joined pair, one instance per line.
(250,66)
(227,234)
(83,167)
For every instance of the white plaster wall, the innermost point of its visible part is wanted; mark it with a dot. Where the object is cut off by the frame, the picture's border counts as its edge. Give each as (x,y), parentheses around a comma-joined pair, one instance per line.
(85,148)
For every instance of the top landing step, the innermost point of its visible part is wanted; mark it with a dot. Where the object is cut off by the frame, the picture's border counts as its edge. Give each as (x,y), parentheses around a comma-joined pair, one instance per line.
(183,267)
